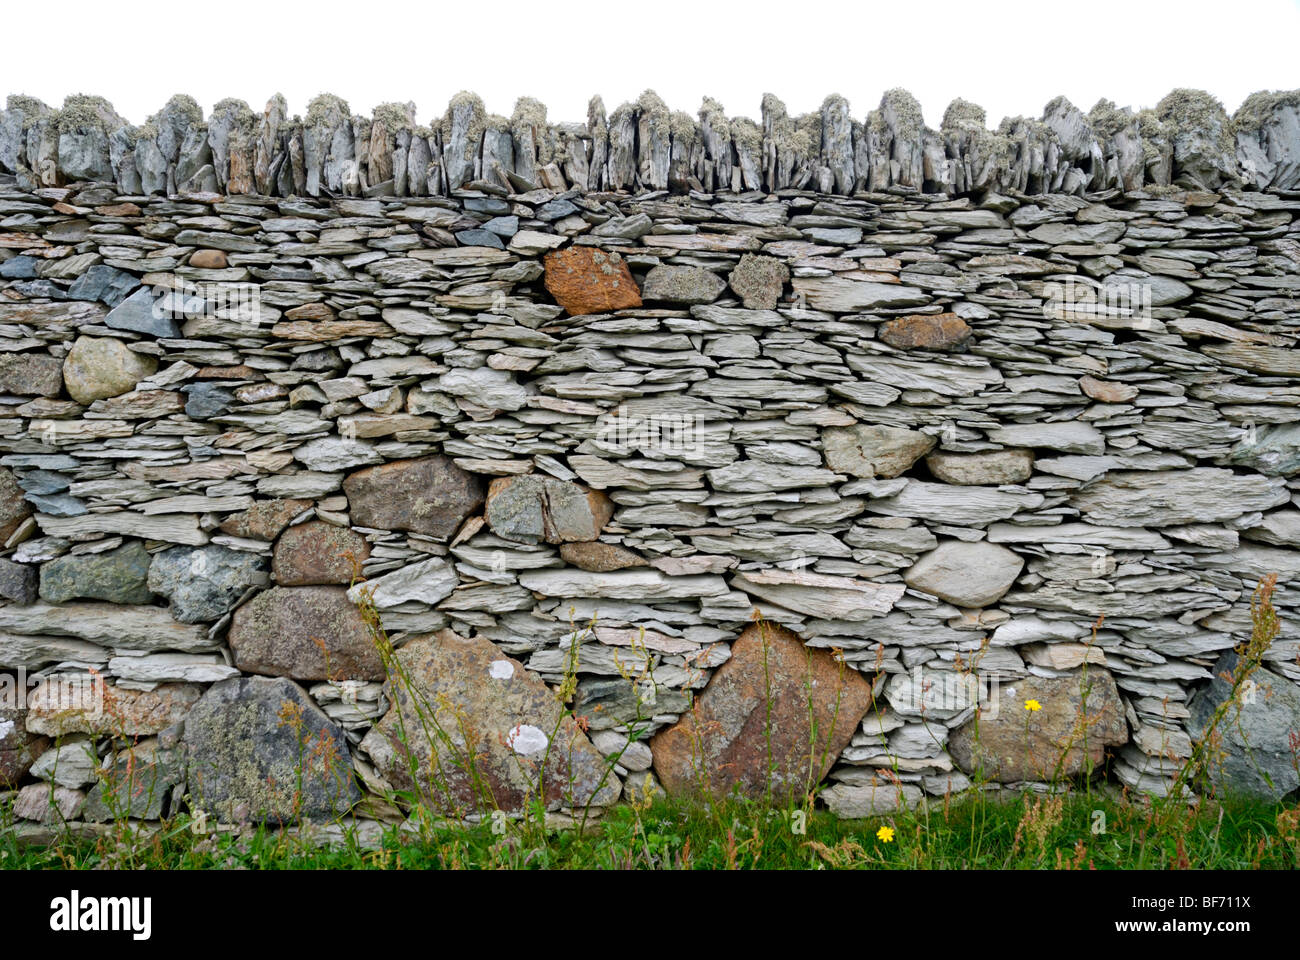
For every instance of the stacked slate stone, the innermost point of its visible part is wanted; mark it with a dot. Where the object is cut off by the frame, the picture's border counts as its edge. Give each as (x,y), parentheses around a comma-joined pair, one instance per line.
(644,146)
(604,393)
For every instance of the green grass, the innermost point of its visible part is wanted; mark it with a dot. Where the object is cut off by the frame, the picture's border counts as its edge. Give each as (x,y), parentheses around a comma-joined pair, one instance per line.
(1026,832)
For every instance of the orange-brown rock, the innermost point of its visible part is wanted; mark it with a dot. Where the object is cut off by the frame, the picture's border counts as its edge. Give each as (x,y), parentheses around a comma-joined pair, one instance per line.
(317,552)
(767,687)
(310,311)
(597,557)
(939,331)
(1106,391)
(208,260)
(126,209)
(66,705)
(264,519)
(240,372)
(588,280)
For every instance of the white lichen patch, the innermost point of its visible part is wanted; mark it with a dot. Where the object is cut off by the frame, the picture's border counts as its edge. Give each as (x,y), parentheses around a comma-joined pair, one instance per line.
(525,740)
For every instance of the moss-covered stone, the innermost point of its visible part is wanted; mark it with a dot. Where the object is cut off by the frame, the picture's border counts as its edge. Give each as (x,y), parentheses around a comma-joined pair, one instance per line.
(327,110)
(1260,107)
(82,112)
(963,115)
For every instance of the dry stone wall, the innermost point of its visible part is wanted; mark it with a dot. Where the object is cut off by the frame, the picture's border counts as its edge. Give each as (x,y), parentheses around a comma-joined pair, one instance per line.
(1026,437)
(1188,138)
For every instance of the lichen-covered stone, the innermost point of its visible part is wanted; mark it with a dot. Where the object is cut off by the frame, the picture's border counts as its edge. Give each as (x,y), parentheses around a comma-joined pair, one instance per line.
(265,519)
(13,508)
(18,582)
(135,784)
(258,750)
(481,732)
(940,331)
(533,508)
(307,633)
(316,552)
(118,576)
(599,557)
(430,495)
(63,705)
(30,375)
(1079,716)
(1252,749)
(19,747)
(759,281)
(675,284)
(204,583)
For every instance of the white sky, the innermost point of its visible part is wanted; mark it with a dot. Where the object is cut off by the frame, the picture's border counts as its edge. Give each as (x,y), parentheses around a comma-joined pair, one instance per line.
(1011,58)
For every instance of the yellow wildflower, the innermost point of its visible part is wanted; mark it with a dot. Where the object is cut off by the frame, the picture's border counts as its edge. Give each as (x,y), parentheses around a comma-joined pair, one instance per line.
(1033,706)
(885,834)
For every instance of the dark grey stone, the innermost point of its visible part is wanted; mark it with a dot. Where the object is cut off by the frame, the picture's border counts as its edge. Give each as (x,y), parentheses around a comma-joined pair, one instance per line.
(38,289)
(19,268)
(204,583)
(18,582)
(503,226)
(204,400)
(492,205)
(117,576)
(555,210)
(317,360)
(104,283)
(1253,753)
(57,505)
(479,238)
(42,481)
(137,313)
(609,703)
(137,785)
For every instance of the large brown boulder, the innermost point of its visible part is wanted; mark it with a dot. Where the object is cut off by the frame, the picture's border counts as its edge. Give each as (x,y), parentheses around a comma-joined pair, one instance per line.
(588,280)
(771,694)
(1078,717)
(430,495)
(500,739)
(307,633)
(265,519)
(317,552)
(939,331)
